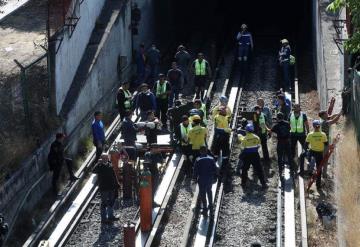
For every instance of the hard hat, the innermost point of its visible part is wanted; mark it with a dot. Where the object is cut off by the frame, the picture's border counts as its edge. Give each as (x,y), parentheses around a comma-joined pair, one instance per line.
(196,118)
(161,75)
(223,99)
(249,127)
(125,82)
(284,41)
(193,112)
(316,123)
(244,26)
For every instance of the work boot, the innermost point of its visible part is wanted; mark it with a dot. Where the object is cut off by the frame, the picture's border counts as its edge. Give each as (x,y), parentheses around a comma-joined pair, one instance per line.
(264,187)
(114,218)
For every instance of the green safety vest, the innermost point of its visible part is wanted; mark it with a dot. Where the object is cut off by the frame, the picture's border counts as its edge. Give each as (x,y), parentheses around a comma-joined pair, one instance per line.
(127,102)
(200,68)
(297,126)
(262,122)
(160,89)
(184,132)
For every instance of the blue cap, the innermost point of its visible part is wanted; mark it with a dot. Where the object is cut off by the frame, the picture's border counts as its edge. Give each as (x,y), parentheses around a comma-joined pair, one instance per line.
(249,127)
(316,123)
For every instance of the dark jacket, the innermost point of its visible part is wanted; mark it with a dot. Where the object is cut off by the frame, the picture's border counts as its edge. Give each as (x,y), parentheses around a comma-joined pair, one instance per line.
(153,56)
(106,176)
(175,77)
(120,97)
(56,155)
(282,130)
(128,132)
(146,101)
(205,170)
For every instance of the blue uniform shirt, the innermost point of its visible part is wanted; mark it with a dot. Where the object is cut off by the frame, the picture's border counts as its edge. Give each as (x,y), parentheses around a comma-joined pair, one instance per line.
(98,131)
(205,170)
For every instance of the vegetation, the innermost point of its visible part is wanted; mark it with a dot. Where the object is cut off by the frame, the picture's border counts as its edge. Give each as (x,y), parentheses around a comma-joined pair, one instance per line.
(353,44)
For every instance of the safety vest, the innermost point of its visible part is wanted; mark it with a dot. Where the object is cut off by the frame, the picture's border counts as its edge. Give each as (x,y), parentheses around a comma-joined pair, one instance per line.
(160,89)
(197,136)
(262,123)
(200,68)
(127,102)
(297,126)
(250,143)
(221,121)
(184,132)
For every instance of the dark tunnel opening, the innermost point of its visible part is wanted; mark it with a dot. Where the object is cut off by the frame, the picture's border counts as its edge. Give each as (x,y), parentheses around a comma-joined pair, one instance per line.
(222,19)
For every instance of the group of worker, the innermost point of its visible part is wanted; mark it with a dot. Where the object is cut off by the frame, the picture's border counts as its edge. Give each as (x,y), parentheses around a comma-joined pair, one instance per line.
(148,64)
(291,127)
(245,45)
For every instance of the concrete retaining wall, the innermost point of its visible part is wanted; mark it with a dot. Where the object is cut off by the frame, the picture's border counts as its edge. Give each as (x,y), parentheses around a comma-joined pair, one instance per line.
(98,93)
(71,48)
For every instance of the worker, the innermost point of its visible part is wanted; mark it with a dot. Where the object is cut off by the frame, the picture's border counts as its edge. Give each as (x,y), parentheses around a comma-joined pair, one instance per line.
(197,136)
(284,60)
(145,101)
(299,128)
(202,71)
(98,132)
(162,89)
(153,61)
(283,105)
(245,42)
(152,128)
(140,59)
(266,110)
(241,131)
(261,129)
(223,102)
(325,122)
(108,187)
(204,172)
(222,133)
(128,130)
(250,155)
(56,160)
(152,159)
(282,131)
(199,109)
(182,58)
(176,79)
(181,136)
(124,99)
(316,141)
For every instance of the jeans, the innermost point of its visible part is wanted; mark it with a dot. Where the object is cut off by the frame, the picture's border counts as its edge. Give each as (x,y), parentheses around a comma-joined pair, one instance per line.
(162,108)
(264,147)
(243,52)
(99,150)
(318,156)
(107,203)
(205,190)
(57,171)
(283,150)
(174,96)
(294,140)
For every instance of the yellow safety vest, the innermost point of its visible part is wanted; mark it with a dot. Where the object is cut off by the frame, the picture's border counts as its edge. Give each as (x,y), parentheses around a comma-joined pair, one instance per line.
(160,89)
(297,126)
(200,68)
(250,142)
(221,121)
(197,137)
(184,133)
(127,102)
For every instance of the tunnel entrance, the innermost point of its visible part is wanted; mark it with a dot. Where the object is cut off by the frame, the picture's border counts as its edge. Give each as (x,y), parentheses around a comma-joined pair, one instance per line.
(224,18)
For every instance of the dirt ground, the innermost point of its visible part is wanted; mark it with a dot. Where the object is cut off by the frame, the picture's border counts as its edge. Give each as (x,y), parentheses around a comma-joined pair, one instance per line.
(22,33)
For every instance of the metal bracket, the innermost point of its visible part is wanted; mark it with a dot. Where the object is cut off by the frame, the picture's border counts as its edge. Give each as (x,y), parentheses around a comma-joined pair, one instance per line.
(339,24)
